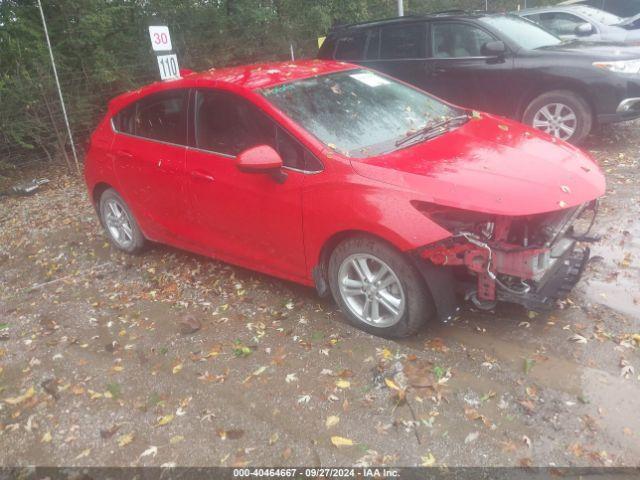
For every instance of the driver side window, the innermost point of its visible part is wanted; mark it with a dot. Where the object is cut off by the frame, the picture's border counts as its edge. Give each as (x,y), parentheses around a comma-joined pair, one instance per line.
(458,40)
(560,23)
(228,124)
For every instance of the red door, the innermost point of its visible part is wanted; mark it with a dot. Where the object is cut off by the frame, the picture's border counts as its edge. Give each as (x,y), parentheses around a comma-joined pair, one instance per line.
(246,218)
(149,157)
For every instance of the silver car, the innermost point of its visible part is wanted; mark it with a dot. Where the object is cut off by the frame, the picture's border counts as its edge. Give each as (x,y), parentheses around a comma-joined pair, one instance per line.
(585,23)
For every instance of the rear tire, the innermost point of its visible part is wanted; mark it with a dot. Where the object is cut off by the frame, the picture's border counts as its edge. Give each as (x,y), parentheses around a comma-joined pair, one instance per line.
(119,223)
(378,289)
(560,113)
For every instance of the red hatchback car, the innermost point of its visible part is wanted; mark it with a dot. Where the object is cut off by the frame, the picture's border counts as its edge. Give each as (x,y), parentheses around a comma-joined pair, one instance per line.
(338,177)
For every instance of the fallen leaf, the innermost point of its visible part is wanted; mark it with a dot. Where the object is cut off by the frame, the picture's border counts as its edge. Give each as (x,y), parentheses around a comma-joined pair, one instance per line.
(391,384)
(472,437)
(166,419)
(331,421)
(428,460)
(177,368)
(124,440)
(21,398)
(84,453)
(152,450)
(230,434)
(46,438)
(340,383)
(341,441)
(577,338)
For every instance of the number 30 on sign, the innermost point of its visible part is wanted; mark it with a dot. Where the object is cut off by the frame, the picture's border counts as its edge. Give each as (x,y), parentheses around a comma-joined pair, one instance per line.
(160,38)
(168,65)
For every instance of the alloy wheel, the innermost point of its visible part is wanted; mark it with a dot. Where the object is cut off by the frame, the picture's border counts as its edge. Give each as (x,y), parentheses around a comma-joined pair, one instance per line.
(118,223)
(371,290)
(556,119)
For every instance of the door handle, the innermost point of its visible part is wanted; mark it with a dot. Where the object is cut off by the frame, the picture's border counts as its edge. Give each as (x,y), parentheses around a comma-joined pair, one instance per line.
(124,154)
(200,175)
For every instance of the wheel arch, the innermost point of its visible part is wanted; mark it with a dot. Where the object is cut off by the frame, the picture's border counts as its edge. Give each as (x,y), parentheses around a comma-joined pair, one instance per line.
(98,189)
(320,269)
(573,87)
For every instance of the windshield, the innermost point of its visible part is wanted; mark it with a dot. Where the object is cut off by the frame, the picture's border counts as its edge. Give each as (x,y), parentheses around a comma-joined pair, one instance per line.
(358,112)
(523,33)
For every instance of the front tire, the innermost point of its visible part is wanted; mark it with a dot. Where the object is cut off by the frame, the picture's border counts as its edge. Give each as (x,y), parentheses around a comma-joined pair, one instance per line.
(120,224)
(560,113)
(378,289)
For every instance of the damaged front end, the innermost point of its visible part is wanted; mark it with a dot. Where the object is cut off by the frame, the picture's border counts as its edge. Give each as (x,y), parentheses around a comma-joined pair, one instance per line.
(532,260)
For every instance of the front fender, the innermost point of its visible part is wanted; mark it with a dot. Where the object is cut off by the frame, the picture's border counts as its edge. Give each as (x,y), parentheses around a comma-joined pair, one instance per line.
(332,213)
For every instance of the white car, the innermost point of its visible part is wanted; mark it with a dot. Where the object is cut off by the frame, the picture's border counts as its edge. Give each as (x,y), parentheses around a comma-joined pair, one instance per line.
(585,23)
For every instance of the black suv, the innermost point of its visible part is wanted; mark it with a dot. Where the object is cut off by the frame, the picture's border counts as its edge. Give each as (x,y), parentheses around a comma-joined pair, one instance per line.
(502,64)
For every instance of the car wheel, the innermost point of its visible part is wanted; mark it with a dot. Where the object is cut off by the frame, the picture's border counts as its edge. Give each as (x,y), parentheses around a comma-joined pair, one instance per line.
(378,288)
(120,224)
(560,113)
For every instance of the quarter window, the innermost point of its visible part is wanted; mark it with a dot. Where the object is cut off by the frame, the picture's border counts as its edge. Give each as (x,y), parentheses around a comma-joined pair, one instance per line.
(351,47)
(402,41)
(458,40)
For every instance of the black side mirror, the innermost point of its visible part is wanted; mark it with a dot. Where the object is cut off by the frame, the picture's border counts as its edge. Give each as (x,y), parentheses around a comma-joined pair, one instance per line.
(584,29)
(494,49)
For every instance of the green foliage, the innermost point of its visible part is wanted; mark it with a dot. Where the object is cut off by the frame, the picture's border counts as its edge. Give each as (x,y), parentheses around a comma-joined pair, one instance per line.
(102,49)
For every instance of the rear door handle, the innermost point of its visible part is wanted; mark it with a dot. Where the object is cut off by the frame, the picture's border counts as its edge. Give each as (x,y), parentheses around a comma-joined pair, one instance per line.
(124,154)
(199,174)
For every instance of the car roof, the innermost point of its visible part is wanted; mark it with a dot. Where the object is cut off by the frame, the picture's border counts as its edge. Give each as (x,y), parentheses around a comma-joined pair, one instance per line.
(243,77)
(447,14)
(265,75)
(586,10)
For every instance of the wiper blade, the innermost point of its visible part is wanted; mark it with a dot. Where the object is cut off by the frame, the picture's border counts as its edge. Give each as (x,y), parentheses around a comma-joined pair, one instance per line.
(434,129)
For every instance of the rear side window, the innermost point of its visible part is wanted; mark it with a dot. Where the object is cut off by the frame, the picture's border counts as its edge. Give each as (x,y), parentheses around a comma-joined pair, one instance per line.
(162,116)
(402,41)
(351,47)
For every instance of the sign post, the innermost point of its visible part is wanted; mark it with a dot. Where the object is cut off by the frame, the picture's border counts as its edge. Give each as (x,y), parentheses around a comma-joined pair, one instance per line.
(161,42)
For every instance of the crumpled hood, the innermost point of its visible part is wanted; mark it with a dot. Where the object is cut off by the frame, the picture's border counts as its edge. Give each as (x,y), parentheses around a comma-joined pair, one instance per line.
(491,165)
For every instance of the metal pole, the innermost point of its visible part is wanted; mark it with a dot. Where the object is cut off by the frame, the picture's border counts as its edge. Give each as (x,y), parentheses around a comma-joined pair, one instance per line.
(293,57)
(486,5)
(55,74)
(400,8)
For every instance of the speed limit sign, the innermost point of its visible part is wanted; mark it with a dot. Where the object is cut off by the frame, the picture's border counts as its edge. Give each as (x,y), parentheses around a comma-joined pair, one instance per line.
(160,38)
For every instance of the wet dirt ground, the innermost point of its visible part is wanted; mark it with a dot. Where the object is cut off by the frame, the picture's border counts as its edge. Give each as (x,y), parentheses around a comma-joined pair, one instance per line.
(97,365)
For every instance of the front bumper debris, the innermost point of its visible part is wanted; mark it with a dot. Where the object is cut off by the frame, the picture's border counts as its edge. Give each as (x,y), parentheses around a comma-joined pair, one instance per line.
(505,269)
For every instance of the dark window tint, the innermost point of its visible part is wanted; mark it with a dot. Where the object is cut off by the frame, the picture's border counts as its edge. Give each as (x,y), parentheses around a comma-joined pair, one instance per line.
(458,40)
(373,46)
(402,41)
(124,121)
(229,124)
(351,47)
(294,155)
(162,116)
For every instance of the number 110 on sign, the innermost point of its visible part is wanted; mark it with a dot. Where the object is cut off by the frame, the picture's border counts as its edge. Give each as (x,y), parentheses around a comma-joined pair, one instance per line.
(168,65)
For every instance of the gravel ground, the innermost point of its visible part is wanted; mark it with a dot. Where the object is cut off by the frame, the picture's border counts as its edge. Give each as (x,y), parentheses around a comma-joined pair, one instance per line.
(171,358)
